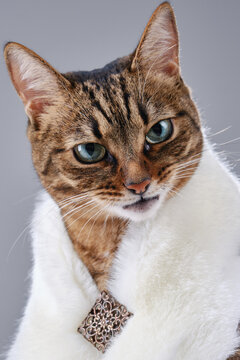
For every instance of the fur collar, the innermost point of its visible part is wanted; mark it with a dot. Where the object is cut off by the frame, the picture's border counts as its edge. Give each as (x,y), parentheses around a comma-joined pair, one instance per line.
(178,273)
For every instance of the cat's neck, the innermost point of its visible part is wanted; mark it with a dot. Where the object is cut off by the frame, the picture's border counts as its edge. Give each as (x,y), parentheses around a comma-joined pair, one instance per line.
(95,239)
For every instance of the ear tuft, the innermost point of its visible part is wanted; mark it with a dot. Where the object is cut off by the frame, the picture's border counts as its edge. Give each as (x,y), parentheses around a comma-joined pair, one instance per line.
(35,81)
(158,49)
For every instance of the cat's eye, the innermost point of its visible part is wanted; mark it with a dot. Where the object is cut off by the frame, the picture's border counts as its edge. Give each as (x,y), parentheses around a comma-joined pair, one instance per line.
(89,153)
(160,132)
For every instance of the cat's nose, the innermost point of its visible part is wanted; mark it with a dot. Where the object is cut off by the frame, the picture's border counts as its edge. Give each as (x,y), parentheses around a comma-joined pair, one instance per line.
(139,188)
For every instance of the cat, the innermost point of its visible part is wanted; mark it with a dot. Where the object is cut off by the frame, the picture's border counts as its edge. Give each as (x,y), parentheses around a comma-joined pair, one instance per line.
(138,204)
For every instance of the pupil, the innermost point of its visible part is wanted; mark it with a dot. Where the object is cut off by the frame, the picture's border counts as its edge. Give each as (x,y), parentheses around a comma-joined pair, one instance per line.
(157,129)
(90,149)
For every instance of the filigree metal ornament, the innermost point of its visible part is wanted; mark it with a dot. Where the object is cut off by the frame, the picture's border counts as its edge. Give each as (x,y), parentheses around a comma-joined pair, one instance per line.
(105,320)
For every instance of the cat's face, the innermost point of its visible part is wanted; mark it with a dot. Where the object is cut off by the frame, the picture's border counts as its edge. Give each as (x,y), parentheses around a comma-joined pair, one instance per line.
(124,138)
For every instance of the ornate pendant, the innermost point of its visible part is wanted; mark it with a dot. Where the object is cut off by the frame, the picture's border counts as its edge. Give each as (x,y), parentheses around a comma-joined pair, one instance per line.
(104,321)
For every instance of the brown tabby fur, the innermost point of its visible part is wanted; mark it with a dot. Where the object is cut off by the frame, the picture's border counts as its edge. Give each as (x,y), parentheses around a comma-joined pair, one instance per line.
(115,106)
(63,176)
(236,356)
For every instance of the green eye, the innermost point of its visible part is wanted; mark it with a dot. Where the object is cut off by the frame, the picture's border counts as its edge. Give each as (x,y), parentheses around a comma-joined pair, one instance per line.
(89,153)
(160,132)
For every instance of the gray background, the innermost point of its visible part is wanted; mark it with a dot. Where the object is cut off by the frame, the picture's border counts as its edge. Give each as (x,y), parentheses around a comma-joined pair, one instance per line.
(74,35)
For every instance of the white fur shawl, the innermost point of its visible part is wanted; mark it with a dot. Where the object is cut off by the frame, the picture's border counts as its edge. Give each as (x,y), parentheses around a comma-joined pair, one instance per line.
(178,273)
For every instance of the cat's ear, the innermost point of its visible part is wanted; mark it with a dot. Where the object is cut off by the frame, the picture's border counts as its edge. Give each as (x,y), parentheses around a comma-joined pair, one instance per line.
(158,49)
(36,82)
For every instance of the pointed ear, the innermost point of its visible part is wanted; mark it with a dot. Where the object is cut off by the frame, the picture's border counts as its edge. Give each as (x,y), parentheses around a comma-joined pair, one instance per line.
(36,82)
(158,49)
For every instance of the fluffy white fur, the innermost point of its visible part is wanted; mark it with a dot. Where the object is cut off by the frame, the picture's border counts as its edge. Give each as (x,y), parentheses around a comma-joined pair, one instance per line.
(178,272)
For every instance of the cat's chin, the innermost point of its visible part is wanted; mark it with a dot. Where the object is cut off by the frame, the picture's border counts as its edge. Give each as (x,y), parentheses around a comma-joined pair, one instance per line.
(139,210)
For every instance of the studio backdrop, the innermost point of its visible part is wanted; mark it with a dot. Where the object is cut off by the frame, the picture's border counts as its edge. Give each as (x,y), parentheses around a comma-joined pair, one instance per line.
(82,35)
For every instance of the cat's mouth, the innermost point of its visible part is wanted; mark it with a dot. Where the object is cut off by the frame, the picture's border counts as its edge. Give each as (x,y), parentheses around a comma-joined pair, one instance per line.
(142,204)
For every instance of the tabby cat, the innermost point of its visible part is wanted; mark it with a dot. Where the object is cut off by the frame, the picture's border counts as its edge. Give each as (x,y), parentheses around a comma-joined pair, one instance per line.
(116,148)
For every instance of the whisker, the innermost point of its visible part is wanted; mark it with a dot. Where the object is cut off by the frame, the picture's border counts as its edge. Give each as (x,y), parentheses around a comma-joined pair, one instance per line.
(175,192)
(219,132)
(17,239)
(187,166)
(184,177)
(76,208)
(229,142)
(88,221)
(40,220)
(100,212)
(78,196)
(188,169)
(81,215)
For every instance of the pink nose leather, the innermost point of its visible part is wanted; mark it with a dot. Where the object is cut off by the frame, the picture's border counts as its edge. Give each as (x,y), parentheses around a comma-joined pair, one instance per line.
(139,188)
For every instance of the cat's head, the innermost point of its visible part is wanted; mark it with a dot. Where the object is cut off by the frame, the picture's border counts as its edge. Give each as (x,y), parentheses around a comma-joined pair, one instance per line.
(125,137)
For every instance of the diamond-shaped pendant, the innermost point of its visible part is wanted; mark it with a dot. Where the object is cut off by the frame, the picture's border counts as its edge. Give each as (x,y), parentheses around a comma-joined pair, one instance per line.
(104,321)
